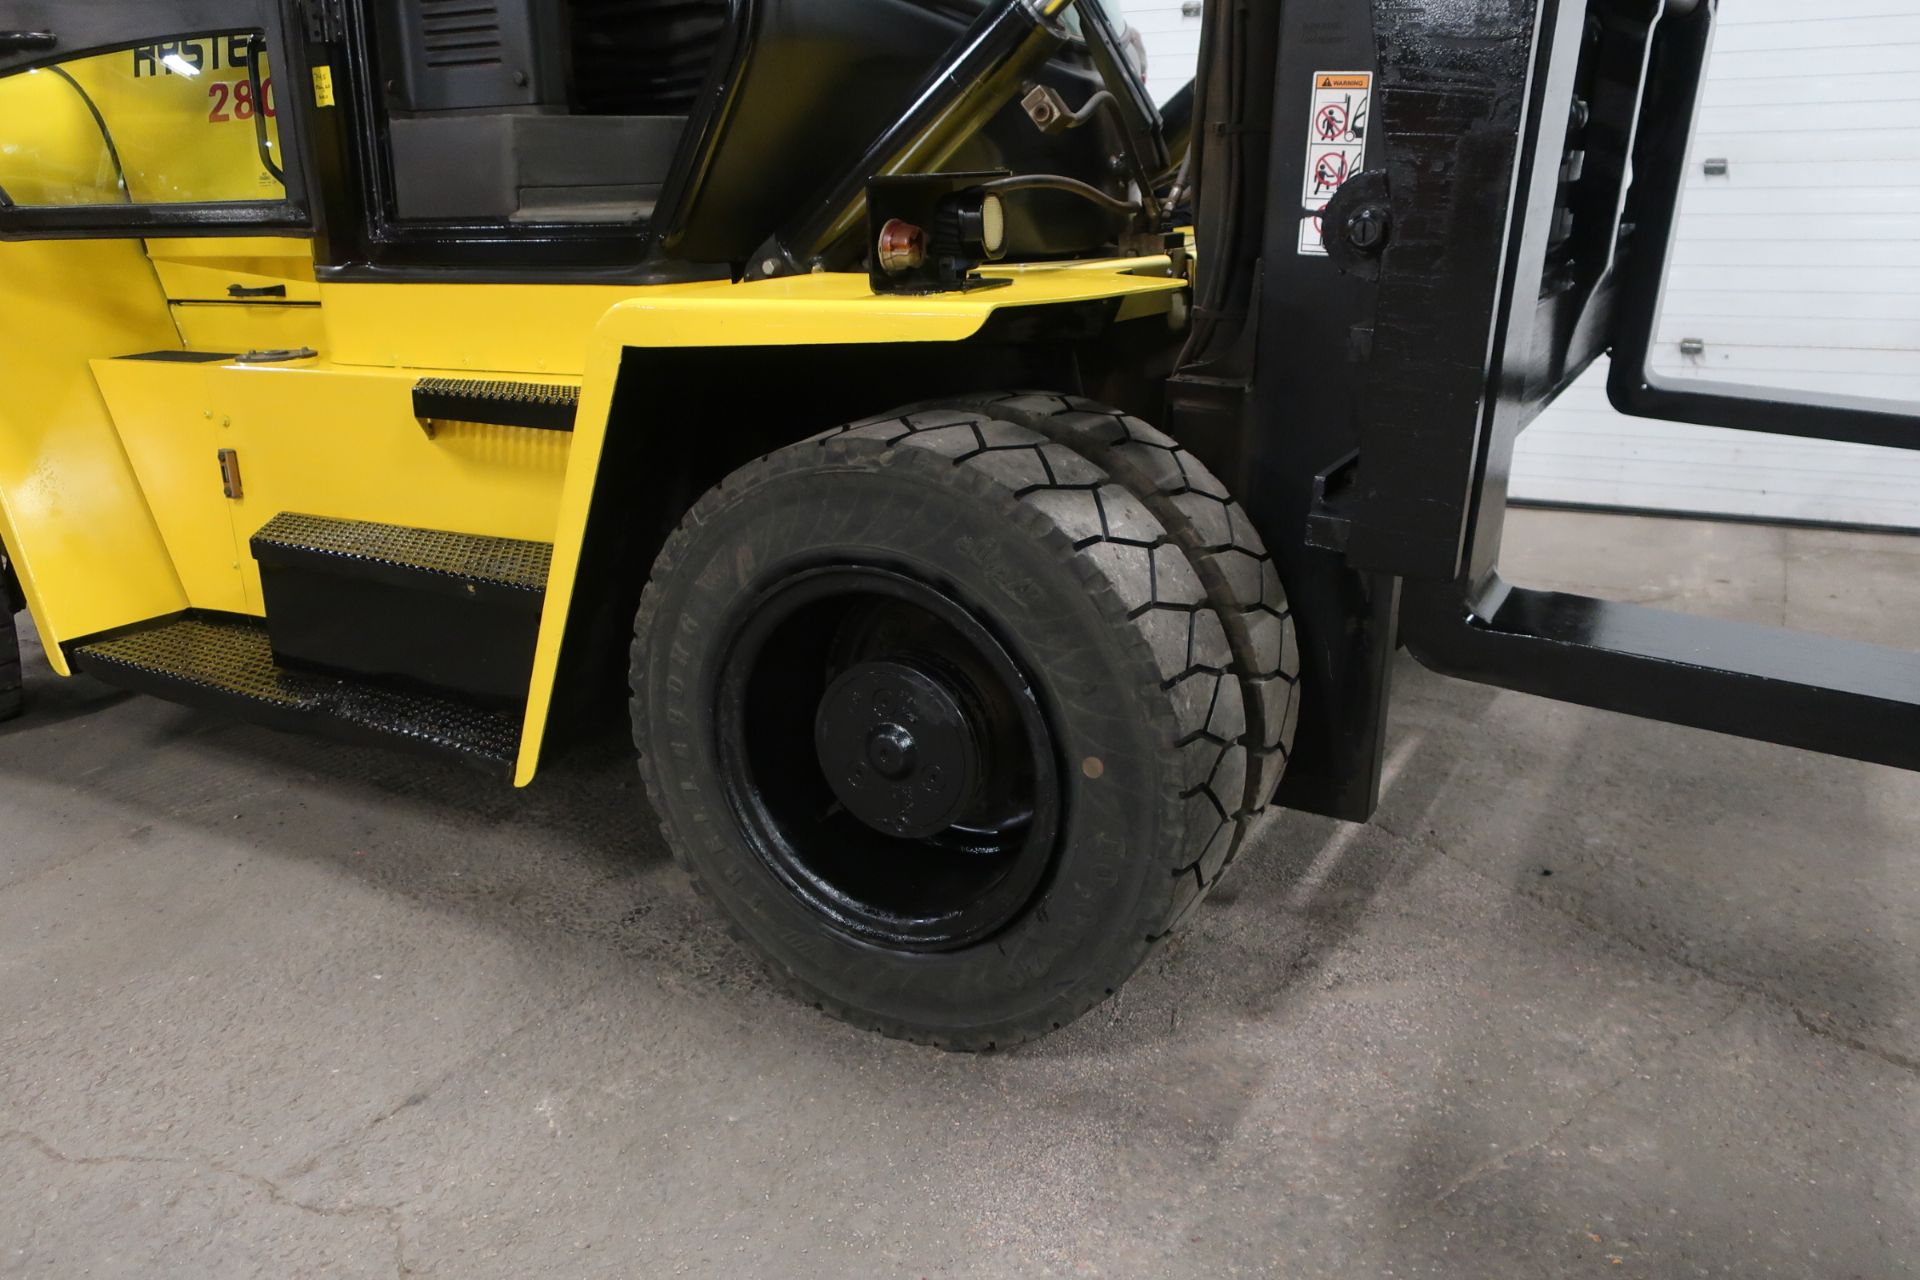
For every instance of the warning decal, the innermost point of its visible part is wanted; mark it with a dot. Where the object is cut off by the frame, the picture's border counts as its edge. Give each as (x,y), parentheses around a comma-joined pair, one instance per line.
(1336,145)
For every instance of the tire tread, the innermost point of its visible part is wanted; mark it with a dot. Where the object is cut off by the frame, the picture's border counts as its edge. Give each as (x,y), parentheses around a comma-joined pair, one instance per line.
(1220,543)
(1131,563)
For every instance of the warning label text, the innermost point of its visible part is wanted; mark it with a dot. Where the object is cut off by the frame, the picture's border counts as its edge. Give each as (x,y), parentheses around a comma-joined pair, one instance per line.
(1336,145)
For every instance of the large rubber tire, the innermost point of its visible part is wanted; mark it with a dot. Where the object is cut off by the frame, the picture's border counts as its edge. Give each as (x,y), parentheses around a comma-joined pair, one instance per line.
(1098,602)
(1219,539)
(11,697)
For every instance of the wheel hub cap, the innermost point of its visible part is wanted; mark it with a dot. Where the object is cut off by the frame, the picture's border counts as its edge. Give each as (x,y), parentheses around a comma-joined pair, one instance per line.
(897,747)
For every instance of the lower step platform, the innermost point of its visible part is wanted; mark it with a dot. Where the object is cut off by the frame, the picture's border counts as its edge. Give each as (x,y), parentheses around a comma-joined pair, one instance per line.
(454,612)
(226,664)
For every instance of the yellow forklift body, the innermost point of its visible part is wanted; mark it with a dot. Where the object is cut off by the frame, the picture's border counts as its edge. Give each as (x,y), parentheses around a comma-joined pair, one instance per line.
(84,542)
(113,500)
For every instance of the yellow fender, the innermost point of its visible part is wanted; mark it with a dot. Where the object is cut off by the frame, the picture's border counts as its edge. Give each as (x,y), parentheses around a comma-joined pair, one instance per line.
(815,310)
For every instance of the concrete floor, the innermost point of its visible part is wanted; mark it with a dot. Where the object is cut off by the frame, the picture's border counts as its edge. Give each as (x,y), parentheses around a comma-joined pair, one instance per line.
(1592,997)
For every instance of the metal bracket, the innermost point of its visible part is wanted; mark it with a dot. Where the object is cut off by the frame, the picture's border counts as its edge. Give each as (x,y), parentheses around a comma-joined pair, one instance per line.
(326,24)
(913,250)
(230,474)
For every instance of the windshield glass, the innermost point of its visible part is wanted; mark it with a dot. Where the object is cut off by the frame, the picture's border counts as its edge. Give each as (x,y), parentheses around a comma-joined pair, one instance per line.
(1114,15)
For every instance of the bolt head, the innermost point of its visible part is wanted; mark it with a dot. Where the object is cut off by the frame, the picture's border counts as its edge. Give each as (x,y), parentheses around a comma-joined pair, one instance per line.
(890,752)
(1367,228)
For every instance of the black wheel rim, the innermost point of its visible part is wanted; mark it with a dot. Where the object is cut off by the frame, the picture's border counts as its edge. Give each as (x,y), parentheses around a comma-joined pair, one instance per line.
(886,757)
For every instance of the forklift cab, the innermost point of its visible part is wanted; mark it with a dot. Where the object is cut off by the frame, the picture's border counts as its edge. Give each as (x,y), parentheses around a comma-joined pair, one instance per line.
(535,138)
(490,114)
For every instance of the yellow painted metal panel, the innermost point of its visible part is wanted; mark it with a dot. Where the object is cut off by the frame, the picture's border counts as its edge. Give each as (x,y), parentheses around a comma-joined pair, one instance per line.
(1152,264)
(89,553)
(545,329)
(287,249)
(540,330)
(805,310)
(823,309)
(163,413)
(64,159)
(203,270)
(324,439)
(235,329)
(317,438)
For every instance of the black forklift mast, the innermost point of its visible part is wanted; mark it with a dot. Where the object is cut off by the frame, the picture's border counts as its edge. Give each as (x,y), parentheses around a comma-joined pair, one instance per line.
(1363,360)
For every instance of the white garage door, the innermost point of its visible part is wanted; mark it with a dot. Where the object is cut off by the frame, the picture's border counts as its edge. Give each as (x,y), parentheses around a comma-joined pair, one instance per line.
(1172,32)
(1798,268)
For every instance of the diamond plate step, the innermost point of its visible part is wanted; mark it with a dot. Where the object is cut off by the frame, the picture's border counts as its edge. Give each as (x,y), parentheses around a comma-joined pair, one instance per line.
(227,664)
(544,406)
(509,567)
(456,612)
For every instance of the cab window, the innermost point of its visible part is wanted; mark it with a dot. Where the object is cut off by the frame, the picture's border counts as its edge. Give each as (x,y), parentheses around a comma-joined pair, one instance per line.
(167,124)
(553,112)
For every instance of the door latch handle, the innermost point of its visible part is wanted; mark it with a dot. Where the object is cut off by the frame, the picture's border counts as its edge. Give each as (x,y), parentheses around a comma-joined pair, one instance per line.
(26,41)
(256,291)
(230,473)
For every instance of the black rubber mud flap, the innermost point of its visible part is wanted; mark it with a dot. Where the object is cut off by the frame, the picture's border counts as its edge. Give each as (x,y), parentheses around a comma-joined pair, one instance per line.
(11,697)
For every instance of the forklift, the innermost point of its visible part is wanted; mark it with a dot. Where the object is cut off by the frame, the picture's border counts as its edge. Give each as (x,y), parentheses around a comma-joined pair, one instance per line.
(983,491)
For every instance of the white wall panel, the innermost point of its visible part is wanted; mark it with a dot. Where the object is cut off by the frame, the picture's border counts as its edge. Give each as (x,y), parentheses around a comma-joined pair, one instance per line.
(1173,43)
(1797,270)
(1590,455)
